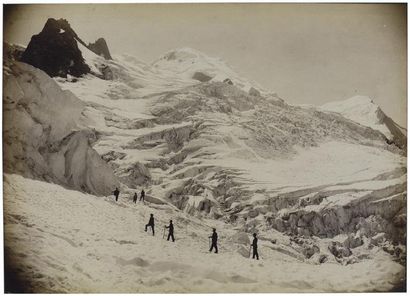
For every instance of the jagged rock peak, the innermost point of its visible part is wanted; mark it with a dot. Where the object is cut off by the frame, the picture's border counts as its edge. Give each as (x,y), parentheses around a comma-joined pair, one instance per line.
(55,26)
(55,51)
(100,47)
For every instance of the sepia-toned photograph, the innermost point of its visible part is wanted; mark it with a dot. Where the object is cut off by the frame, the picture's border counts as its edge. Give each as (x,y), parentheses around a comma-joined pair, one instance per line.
(204,147)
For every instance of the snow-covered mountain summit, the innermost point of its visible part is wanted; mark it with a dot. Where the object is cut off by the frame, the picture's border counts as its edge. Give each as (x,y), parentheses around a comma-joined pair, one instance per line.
(363,110)
(193,64)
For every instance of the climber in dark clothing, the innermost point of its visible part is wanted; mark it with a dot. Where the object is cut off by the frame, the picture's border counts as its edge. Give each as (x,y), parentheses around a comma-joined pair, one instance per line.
(142,196)
(214,241)
(171,231)
(151,224)
(116,193)
(255,247)
(135,197)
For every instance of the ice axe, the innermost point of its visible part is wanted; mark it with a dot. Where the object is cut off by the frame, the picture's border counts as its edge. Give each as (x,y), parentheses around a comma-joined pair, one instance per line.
(163,234)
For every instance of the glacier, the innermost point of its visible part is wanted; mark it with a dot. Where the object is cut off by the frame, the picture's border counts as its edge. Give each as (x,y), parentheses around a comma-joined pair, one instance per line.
(324,187)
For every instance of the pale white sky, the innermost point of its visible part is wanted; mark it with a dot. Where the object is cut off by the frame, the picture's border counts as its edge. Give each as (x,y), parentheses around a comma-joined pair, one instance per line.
(307,53)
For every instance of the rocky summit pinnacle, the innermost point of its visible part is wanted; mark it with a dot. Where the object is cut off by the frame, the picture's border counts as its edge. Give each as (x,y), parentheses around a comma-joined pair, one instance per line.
(100,47)
(55,50)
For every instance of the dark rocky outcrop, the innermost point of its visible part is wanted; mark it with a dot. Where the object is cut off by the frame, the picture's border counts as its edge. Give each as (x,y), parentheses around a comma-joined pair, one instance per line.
(228,81)
(107,73)
(100,47)
(202,77)
(399,137)
(55,51)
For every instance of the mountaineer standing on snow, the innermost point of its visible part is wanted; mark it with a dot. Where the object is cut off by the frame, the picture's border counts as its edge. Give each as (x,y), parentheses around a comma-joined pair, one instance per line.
(116,193)
(255,247)
(214,237)
(171,231)
(142,196)
(151,224)
(135,197)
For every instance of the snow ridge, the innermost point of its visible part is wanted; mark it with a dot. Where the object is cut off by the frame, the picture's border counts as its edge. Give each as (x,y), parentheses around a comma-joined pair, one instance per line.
(364,111)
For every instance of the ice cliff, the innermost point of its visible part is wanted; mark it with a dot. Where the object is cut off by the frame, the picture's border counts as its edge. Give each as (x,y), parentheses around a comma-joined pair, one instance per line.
(44,133)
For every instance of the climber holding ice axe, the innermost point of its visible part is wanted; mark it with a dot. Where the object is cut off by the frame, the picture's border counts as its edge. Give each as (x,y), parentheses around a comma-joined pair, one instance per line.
(151,224)
(171,231)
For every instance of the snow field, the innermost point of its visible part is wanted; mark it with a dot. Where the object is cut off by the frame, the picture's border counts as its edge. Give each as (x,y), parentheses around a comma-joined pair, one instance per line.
(67,241)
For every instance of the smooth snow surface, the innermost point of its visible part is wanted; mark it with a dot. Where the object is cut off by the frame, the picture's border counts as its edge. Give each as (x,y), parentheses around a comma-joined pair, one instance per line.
(67,241)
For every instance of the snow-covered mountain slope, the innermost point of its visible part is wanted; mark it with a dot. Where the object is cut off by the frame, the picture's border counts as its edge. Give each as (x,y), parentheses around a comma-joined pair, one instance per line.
(173,71)
(192,64)
(364,111)
(44,132)
(213,150)
(58,240)
(220,152)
